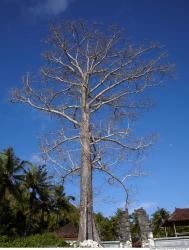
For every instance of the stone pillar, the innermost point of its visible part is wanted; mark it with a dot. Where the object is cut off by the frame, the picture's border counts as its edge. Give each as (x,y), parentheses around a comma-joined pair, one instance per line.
(144,228)
(123,229)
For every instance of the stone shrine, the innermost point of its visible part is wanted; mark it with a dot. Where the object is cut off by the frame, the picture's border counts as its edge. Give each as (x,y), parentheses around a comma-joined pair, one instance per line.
(124,229)
(144,227)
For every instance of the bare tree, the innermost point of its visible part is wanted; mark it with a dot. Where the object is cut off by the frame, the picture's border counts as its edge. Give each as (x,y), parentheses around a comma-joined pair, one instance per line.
(93,81)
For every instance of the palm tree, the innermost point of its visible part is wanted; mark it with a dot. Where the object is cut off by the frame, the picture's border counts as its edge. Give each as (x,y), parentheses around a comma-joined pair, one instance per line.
(61,202)
(37,182)
(11,171)
(45,205)
(10,174)
(157,220)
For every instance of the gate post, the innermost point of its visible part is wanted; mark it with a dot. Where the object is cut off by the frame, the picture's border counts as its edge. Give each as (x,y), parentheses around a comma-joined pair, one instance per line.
(145,230)
(124,229)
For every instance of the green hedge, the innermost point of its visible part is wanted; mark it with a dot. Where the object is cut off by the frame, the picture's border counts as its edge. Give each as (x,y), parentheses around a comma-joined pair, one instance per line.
(38,240)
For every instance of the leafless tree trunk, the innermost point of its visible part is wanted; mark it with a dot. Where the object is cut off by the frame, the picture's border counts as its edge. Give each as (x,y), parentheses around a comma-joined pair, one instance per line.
(86,214)
(92,71)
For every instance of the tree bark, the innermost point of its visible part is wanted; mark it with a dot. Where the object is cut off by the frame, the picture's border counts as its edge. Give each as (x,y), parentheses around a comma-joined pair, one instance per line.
(87,228)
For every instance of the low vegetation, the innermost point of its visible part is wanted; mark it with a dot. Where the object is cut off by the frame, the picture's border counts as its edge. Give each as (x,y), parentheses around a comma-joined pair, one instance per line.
(38,240)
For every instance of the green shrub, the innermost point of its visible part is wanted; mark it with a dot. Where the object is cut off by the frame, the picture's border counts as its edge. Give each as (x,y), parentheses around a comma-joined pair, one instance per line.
(38,240)
(3,239)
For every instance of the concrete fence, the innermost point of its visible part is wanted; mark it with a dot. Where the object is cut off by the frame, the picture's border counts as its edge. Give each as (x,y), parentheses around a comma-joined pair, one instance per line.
(170,243)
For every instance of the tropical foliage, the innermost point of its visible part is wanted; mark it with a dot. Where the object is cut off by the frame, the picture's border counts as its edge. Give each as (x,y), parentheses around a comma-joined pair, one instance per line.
(157,220)
(29,201)
(31,207)
(30,204)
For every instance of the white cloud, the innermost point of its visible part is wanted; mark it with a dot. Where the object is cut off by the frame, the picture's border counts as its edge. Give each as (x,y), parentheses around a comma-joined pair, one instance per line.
(48,7)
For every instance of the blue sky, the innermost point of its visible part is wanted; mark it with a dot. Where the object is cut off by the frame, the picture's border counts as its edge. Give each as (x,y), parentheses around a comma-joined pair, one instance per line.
(23,24)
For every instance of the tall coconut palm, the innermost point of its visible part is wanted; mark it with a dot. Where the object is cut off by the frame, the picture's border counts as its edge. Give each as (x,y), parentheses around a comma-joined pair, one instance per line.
(37,182)
(10,174)
(61,202)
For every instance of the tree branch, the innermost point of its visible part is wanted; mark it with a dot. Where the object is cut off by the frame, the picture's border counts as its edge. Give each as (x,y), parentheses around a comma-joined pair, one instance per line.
(49,110)
(70,172)
(138,147)
(103,169)
(66,139)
